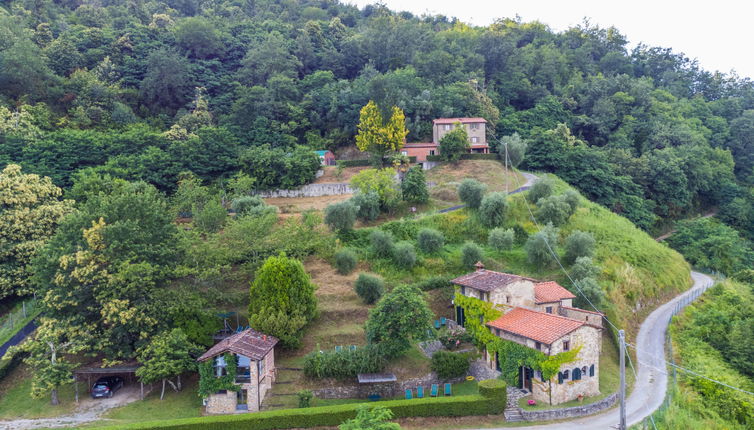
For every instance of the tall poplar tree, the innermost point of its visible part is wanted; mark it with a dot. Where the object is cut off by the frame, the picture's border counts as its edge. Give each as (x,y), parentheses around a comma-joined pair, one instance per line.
(377,136)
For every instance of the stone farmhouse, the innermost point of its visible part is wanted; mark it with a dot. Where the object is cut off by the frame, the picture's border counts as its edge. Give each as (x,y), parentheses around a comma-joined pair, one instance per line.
(541,316)
(255,373)
(475,128)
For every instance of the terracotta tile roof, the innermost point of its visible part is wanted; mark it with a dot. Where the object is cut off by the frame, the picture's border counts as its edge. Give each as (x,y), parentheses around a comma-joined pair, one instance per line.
(549,292)
(583,310)
(461,120)
(487,280)
(249,343)
(420,145)
(538,326)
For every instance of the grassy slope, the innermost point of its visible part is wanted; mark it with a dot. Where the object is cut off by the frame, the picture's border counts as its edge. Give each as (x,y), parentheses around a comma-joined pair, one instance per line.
(447,177)
(16,403)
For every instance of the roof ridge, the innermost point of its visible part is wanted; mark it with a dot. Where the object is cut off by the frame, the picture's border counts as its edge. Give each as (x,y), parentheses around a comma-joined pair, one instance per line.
(549,314)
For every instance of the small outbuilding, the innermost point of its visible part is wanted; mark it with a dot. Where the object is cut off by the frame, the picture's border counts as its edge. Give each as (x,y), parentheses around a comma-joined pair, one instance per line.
(326,158)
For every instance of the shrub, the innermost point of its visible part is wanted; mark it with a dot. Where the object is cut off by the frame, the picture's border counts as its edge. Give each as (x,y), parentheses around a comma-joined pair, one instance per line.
(501,239)
(582,268)
(211,217)
(471,191)
(540,246)
(414,186)
(492,209)
(433,283)
(430,240)
(401,317)
(451,339)
(341,216)
(521,234)
(454,144)
(541,189)
(494,389)
(404,255)
(370,288)
(471,253)
(589,288)
(304,398)
(368,204)
(372,418)
(379,181)
(554,210)
(449,365)
(346,363)
(382,243)
(345,261)
(242,205)
(572,198)
(578,244)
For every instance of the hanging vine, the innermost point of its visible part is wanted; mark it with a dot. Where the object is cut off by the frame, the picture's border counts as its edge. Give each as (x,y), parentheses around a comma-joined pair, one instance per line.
(210,383)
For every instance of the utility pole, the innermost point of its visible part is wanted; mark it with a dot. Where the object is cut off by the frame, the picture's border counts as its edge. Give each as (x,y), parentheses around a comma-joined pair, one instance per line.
(506,166)
(622,391)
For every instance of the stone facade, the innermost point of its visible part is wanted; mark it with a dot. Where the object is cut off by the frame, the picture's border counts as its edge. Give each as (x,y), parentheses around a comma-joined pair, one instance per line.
(575,411)
(477,132)
(253,391)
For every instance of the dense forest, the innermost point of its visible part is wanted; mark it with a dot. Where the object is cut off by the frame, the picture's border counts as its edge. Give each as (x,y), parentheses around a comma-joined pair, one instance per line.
(148,90)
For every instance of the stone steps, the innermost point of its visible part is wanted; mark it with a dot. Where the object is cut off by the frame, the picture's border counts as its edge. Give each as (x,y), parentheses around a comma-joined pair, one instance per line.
(513,415)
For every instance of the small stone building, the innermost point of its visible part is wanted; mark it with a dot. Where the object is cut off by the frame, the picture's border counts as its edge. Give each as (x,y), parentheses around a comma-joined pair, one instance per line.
(255,372)
(541,316)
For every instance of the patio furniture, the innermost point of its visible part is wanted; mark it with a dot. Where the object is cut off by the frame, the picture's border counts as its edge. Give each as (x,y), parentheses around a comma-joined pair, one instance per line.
(447,390)
(437,324)
(353,348)
(443,320)
(338,348)
(434,389)
(409,394)
(419,392)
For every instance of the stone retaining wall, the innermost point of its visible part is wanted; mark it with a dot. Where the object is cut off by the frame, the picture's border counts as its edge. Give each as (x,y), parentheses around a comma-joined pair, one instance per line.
(391,389)
(575,411)
(311,190)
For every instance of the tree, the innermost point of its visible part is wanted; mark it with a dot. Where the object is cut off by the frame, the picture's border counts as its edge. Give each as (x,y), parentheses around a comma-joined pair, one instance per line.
(377,137)
(414,186)
(166,84)
(210,217)
(282,300)
(588,293)
(471,253)
(378,181)
(199,37)
(400,317)
(368,204)
(583,268)
(370,288)
(166,355)
(454,144)
(30,210)
(541,189)
(578,244)
(541,246)
(370,419)
(501,239)
(404,255)
(516,147)
(341,216)
(554,210)
(471,192)
(345,261)
(382,243)
(430,240)
(492,209)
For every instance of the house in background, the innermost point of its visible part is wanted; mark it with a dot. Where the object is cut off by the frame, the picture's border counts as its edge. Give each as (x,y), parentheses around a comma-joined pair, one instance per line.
(476,128)
(255,373)
(541,316)
(326,158)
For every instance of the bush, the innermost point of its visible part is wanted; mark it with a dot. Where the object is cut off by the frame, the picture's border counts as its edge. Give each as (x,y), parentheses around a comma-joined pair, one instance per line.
(541,189)
(471,192)
(370,288)
(430,240)
(537,250)
(368,204)
(521,234)
(414,186)
(578,244)
(244,204)
(471,253)
(501,239)
(345,261)
(494,389)
(346,363)
(516,149)
(211,217)
(341,216)
(404,255)
(449,365)
(589,288)
(304,398)
(492,209)
(553,210)
(572,198)
(454,144)
(451,339)
(584,267)
(433,283)
(379,181)
(382,243)
(400,318)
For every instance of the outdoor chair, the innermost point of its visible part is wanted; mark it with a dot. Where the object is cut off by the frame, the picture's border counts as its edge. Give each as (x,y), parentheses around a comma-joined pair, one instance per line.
(353,348)
(433,392)
(447,390)
(409,394)
(437,324)
(338,348)
(443,320)
(419,392)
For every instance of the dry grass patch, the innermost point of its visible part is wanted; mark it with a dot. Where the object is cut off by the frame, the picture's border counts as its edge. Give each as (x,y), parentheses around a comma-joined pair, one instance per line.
(331,176)
(292,205)
(447,177)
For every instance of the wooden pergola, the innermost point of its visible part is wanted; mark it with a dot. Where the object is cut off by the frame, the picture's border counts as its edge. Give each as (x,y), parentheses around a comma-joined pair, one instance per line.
(127,371)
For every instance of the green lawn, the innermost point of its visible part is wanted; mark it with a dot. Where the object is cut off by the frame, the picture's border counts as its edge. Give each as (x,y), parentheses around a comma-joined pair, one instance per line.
(16,401)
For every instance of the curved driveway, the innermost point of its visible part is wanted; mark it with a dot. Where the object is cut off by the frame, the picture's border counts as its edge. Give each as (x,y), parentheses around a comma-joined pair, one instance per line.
(651,383)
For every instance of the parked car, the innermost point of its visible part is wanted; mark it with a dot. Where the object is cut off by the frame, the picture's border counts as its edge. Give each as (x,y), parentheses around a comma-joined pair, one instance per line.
(106,386)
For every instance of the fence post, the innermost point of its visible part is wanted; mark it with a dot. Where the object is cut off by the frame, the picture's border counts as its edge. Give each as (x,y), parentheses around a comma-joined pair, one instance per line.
(23,306)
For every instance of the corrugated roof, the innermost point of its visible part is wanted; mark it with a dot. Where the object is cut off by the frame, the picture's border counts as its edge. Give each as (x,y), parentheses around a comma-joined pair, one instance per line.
(249,343)
(487,280)
(538,326)
(551,291)
(461,120)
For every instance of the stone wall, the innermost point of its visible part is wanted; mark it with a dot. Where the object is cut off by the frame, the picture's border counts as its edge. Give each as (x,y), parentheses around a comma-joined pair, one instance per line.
(222,403)
(391,389)
(575,411)
(310,190)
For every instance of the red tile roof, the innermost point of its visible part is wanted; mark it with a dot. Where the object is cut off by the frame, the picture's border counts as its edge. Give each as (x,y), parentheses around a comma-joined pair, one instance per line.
(538,326)
(420,145)
(455,120)
(249,343)
(549,292)
(487,280)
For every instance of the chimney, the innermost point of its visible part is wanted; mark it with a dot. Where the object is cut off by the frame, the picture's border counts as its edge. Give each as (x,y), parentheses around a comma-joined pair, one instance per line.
(264,337)
(479,266)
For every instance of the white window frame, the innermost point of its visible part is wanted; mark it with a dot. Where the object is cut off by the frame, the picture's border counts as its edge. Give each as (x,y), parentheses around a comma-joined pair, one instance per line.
(474,139)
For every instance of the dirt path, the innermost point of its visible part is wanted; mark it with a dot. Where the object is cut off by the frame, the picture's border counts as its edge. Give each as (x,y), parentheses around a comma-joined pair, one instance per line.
(89,410)
(671,232)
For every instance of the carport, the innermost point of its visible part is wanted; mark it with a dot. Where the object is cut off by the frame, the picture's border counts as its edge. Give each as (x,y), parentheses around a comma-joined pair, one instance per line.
(126,371)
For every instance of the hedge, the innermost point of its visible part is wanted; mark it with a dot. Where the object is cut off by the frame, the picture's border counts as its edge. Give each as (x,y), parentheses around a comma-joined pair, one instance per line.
(466,157)
(368,162)
(492,402)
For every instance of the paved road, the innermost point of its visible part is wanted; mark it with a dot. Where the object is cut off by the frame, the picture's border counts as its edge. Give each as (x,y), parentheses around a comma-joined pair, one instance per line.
(649,389)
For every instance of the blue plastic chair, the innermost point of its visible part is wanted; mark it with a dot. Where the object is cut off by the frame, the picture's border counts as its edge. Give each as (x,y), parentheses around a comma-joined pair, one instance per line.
(353,348)
(409,394)
(443,320)
(437,324)
(338,348)
(419,392)
(433,392)
(447,389)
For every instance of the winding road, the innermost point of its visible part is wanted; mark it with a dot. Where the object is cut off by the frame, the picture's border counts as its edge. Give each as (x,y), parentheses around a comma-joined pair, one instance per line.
(651,382)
